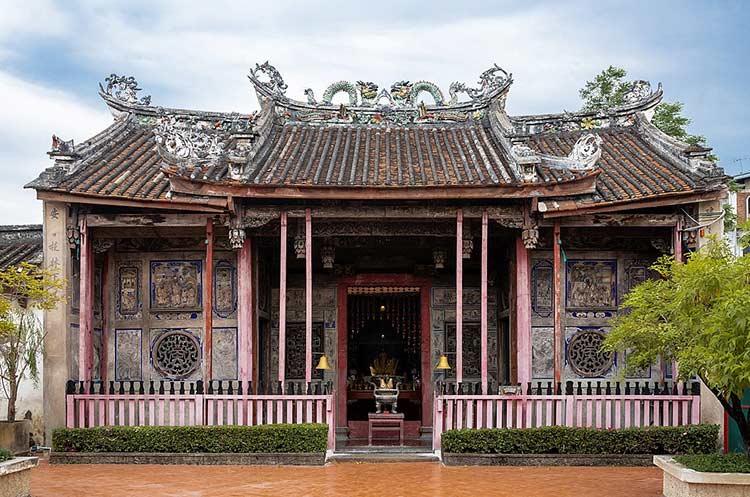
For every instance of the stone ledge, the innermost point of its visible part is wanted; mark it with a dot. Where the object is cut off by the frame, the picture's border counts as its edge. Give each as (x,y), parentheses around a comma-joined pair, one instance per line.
(15,476)
(452,459)
(207,459)
(687,475)
(18,464)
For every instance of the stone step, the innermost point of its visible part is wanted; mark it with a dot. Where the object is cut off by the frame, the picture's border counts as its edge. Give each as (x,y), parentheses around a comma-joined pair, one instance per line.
(382,457)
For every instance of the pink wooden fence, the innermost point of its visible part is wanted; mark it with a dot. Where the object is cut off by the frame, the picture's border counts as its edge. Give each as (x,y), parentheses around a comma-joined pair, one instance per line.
(86,410)
(527,411)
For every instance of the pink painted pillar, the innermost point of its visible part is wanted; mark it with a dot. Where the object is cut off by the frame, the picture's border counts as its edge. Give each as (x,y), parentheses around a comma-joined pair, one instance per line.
(86,304)
(483,308)
(557,272)
(282,300)
(245,314)
(523,317)
(308,297)
(459,295)
(677,241)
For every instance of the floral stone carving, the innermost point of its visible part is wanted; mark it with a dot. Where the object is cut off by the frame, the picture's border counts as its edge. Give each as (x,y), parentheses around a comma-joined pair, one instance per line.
(176,354)
(585,356)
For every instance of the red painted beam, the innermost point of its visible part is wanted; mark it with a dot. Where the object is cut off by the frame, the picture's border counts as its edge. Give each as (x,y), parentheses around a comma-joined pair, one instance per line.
(308,297)
(557,271)
(85,304)
(282,299)
(523,314)
(245,314)
(208,312)
(459,295)
(483,303)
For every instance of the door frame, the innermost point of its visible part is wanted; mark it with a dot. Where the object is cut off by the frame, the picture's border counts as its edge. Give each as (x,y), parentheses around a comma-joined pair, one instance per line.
(385,279)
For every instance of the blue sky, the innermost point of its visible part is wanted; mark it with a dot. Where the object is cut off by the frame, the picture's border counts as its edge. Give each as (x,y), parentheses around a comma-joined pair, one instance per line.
(196,54)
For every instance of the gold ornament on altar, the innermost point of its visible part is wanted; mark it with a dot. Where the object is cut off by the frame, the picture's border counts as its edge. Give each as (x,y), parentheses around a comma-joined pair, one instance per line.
(383,366)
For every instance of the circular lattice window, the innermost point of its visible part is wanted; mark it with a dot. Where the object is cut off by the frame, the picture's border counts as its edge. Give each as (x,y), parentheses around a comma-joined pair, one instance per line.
(585,356)
(177,354)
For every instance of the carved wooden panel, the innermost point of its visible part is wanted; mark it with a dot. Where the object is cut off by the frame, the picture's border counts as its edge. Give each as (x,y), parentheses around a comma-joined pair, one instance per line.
(128,354)
(176,285)
(591,284)
(295,350)
(128,291)
(472,348)
(542,294)
(225,289)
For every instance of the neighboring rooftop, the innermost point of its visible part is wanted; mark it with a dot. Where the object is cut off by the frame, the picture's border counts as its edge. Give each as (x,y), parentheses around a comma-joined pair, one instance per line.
(20,243)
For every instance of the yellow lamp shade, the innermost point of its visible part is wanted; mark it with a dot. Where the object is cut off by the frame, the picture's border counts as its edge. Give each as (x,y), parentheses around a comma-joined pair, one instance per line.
(323,363)
(443,363)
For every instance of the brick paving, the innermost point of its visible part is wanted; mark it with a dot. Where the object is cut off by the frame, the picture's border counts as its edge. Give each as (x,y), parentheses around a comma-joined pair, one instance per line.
(345,480)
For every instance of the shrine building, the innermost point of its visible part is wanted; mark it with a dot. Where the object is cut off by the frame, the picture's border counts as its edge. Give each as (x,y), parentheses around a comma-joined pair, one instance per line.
(292,264)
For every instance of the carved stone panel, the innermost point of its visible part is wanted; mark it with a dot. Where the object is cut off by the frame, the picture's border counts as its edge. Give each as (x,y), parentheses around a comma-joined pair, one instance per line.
(225,289)
(591,284)
(73,340)
(584,356)
(295,350)
(636,272)
(472,348)
(542,352)
(128,304)
(446,297)
(128,354)
(224,353)
(176,353)
(542,294)
(176,285)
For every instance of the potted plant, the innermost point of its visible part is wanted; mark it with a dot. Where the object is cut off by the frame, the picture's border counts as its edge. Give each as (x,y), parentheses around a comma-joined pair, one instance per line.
(24,290)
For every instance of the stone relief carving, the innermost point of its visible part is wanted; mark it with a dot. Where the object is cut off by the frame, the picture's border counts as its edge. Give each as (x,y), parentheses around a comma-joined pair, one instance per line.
(176,285)
(472,347)
(224,353)
(591,284)
(128,354)
(584,355)
(176,353)
(187,141)
(225,289)
(636,272)
(542,352)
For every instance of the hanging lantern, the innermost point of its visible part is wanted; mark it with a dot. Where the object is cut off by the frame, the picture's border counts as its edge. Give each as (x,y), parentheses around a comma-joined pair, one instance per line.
(438,257)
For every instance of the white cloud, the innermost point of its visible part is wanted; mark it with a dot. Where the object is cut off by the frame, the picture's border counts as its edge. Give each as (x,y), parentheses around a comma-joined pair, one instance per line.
(31,114)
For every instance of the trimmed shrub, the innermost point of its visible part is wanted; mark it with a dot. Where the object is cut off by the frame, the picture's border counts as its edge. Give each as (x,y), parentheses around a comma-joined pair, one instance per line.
(716,463)
(697,439)
(5,454)
(281,438)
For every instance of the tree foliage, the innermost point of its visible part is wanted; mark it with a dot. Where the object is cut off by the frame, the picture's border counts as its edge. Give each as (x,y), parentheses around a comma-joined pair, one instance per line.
(607,90)
(24,289)
(698,315)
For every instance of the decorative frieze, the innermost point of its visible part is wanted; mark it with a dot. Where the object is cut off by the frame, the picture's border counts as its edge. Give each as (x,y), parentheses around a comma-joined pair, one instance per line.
(542,294)
(128,304)
(591,284)
(225,289)
(176,285)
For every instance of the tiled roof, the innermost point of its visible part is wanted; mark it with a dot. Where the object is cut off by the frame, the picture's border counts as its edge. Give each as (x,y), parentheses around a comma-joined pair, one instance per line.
(20,243)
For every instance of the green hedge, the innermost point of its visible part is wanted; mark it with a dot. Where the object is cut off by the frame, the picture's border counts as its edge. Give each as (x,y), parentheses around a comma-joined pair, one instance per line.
(716,463)
(279,438)
(698,439)
(5,454)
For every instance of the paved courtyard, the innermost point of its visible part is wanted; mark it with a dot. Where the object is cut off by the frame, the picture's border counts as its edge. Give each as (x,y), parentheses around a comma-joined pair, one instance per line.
(346,480)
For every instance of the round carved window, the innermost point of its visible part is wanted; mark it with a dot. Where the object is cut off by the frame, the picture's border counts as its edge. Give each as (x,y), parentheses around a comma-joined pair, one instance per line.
(177,354)
(584,355)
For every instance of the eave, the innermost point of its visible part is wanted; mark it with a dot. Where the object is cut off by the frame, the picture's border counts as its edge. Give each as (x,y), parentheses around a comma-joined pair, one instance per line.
(578,186)
(217,205)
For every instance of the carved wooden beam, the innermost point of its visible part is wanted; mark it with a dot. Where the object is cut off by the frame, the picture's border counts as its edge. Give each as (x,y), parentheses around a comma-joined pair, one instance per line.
(604,220)
(387,212)
(166,220)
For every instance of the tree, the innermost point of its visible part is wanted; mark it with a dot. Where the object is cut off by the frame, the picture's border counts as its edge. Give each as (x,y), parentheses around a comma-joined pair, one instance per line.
(698,315)
(607,90)
(24,289)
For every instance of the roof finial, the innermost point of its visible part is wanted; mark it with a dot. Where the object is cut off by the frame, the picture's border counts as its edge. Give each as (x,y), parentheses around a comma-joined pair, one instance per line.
(125,89)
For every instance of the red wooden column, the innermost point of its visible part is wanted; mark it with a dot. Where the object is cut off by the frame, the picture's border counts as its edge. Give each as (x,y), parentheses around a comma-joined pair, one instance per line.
(557,271)
(245,314)
(208,312)
(86,304)
(523,317)
(308,297)
(282,300)
(483,304)
(459,295)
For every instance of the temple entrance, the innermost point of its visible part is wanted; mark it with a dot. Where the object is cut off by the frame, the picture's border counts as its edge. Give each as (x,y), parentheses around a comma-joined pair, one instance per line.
(385,348)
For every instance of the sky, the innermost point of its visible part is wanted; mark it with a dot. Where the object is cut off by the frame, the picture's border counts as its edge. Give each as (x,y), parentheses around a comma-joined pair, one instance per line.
(196,54)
